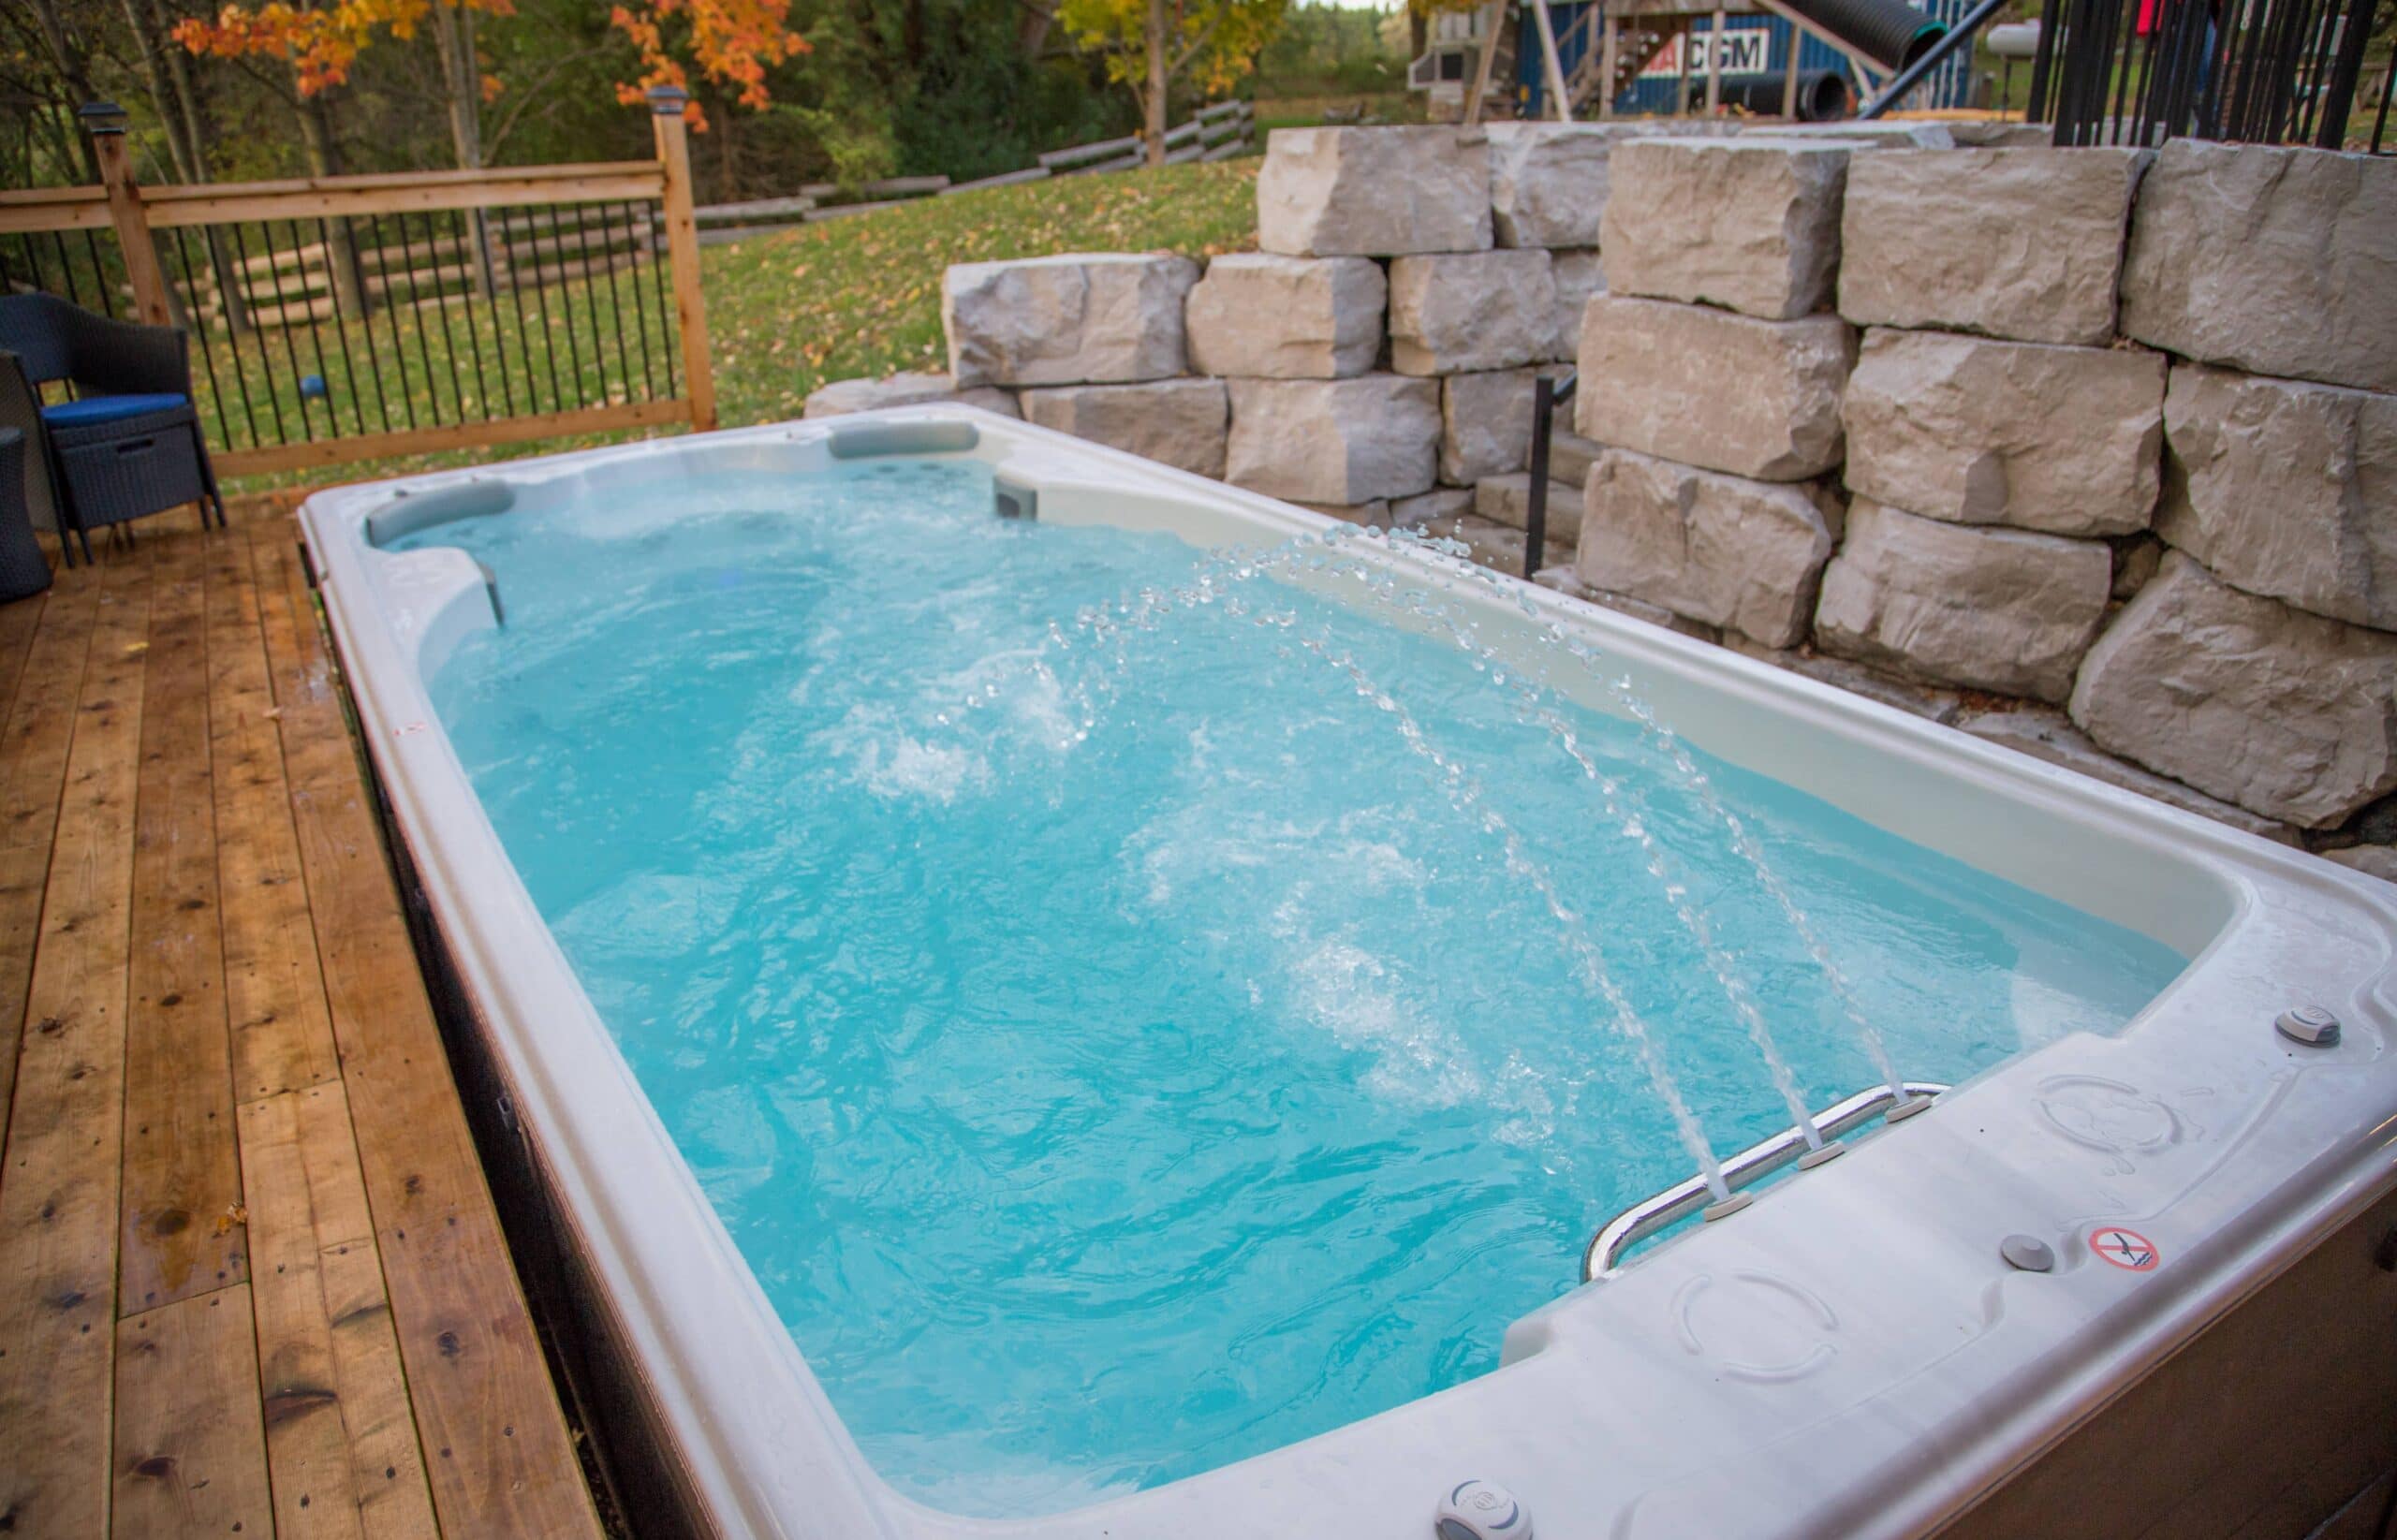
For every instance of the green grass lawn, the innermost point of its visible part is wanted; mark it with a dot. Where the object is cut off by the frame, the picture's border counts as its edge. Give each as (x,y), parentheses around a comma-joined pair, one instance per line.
(787,313)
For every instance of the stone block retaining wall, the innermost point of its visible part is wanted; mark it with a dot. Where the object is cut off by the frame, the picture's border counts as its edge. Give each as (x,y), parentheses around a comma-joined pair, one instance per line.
(2089,452)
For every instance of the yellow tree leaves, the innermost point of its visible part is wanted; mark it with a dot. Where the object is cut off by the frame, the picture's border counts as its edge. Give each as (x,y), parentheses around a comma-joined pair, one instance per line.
(1209,43)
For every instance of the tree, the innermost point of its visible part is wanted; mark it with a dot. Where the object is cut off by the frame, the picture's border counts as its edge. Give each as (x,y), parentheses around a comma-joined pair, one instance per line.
(1150,44)
(734,42)
(322,44)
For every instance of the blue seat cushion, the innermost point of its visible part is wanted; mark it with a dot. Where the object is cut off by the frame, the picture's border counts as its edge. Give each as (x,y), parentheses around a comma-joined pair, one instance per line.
(97,409)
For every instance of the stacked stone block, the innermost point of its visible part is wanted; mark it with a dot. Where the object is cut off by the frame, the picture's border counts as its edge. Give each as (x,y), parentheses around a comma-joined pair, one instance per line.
(2260,666)
(1093,344)
(1710,373)
(2109,434)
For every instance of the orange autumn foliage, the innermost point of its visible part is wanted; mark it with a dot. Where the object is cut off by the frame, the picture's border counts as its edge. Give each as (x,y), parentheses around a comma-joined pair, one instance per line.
(321,42)
(733,42)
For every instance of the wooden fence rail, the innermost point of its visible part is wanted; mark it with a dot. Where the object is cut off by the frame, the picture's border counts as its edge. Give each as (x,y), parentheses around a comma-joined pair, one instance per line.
(528,292)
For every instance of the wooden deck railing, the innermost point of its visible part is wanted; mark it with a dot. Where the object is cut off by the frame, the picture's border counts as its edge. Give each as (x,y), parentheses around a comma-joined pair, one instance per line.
(343,318)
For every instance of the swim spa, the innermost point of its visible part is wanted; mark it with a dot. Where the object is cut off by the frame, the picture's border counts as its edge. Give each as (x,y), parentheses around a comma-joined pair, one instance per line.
(1050,1008)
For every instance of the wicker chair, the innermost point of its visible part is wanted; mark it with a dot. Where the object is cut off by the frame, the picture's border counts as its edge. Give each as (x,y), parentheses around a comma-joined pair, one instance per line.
(128,443)
(23,571)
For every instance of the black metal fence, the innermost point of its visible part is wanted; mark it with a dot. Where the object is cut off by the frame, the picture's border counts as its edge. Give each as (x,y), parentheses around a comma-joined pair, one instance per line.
(2264,71)
(307,331)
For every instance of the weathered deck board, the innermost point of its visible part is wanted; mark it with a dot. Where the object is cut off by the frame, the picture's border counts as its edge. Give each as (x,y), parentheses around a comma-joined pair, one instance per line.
(322,1330)
(339,1437)
(182,1202)
(494,1438)
(273,994)
(58,1209)
(33,760)
(190,1460)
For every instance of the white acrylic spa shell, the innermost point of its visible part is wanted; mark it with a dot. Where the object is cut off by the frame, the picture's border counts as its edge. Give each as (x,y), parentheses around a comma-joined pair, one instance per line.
(1850,1356)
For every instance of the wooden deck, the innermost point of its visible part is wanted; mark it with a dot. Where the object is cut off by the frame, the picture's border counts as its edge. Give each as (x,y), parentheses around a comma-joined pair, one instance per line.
(251,1279)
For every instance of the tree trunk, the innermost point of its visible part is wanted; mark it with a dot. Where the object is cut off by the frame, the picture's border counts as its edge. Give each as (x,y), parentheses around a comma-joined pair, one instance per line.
(323,152)
(1032,29)
(1419,30)
(1153,102)
(141,17)
(72,61)
(462,92)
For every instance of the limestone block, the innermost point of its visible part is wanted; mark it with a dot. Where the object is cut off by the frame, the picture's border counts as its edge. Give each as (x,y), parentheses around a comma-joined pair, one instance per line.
(1471,311)
(1993,609)
(2045,733)
(2285,713)
(1180,422)
(1508,500)
(1564,580)
(1548,181)
(2002,136)
(1577,275)
(1372,192)
(2286,489)
(841,397)
(1485,424)
(1287,318)
(2277,260)
(1076,319)
(1374,515)
(1720,391)
(2373,860)
(1440,503)
(1751,224)
(2063,439)
(2020,243)
(1571,456)
(1931,702)
(1720,549)
(1335,441)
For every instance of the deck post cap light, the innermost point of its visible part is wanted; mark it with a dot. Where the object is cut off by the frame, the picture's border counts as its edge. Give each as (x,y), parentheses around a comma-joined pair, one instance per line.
(2309,1024)
(102,117)
(1481,1510)
(666,101)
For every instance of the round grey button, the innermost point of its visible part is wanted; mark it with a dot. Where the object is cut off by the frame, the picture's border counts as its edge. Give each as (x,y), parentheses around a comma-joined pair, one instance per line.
(2027,1253)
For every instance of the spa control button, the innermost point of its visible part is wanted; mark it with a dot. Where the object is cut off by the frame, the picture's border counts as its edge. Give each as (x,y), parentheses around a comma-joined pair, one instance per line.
(1481,1510)
(2309,1024)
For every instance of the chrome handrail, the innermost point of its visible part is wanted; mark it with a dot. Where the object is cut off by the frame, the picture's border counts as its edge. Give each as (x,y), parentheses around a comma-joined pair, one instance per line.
(1604,1256)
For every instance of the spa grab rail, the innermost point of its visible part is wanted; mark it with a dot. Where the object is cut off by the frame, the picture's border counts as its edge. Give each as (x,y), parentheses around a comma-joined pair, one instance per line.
(1604,1256)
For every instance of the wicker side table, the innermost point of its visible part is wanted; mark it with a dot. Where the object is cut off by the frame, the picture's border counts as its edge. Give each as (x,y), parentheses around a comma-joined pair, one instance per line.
(23,570)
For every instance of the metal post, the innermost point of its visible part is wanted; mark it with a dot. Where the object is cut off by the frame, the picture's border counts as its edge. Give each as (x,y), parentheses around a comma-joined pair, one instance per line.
(1789,74)
(105,122)
(1494,16)
(1681,85)
(1610,64)
(1715,63)
(1561,108)
(666,105)
(1547,396)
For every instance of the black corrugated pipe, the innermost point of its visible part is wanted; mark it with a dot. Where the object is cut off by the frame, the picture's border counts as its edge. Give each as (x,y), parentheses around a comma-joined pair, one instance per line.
(1822,95)
(1889,32)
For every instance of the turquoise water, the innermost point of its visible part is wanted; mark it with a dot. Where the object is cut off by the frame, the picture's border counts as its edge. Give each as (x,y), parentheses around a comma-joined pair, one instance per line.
(1115,1058)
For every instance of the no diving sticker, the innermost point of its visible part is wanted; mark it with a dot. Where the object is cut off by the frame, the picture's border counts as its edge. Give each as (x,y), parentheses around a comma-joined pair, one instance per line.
(2126,1249)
